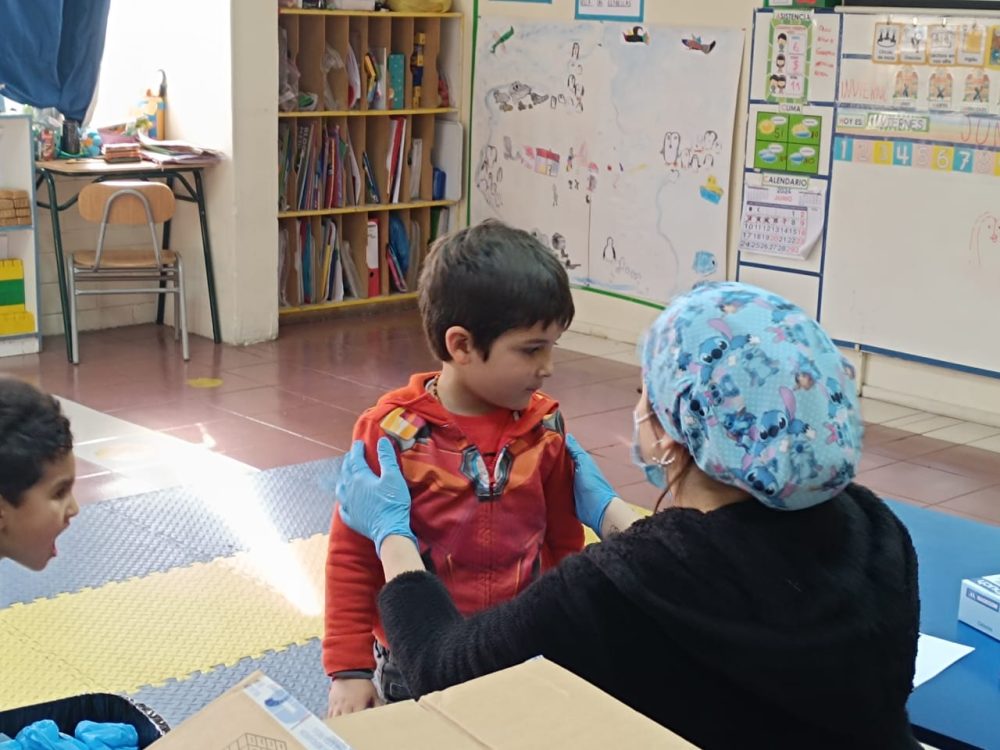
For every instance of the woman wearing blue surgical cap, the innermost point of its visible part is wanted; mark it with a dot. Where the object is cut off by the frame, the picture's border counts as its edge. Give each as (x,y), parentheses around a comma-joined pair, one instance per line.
(773,604)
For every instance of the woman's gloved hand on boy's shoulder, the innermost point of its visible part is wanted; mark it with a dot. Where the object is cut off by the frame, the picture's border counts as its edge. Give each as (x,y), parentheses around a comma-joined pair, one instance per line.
(375,506)
(592,492)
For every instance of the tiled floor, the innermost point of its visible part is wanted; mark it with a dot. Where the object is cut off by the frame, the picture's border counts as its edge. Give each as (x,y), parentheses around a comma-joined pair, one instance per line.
(152,419)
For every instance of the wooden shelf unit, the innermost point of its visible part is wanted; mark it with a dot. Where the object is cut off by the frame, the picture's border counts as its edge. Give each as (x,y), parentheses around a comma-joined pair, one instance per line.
(308,33)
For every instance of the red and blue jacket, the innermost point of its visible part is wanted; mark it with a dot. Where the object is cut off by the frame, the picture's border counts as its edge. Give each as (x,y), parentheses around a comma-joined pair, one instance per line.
(486,534)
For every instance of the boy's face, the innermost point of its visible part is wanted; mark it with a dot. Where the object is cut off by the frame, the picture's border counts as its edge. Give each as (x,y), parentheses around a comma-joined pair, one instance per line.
(519,362)
(28,531)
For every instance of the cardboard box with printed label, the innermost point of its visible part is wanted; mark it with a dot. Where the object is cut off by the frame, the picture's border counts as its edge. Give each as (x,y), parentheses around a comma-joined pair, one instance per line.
(979,605)
(533,706)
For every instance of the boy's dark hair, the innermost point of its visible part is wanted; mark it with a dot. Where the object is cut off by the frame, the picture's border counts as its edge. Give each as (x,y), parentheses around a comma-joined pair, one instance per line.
(489,279)
(33,433)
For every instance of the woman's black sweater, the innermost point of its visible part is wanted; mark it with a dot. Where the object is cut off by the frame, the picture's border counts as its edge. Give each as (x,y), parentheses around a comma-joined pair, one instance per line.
(741,628)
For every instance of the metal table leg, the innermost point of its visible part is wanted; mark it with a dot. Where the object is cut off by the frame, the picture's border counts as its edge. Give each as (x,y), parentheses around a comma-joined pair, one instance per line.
(50,183)
(164,245)
(207,247)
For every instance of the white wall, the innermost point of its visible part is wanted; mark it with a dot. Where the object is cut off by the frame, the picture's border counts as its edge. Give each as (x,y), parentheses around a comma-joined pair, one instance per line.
(251,260)
(220,57)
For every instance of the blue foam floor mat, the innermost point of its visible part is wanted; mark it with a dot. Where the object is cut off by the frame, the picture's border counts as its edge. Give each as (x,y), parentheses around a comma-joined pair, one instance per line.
(298,669)
(135,536)
(101,545)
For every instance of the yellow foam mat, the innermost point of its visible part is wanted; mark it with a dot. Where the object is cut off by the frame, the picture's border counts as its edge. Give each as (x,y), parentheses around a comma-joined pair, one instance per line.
(21,658)
(125,635)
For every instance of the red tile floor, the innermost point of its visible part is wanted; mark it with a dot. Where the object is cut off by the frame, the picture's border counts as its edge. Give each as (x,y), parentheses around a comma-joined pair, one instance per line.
(296,399)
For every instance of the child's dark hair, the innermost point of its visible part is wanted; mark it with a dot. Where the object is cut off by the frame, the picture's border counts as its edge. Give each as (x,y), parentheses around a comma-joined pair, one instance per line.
(489,279)
(33,433)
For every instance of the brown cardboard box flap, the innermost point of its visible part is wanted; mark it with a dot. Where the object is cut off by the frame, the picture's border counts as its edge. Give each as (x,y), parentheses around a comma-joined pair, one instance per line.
(537,705)
(404,725)
(255,713)
(533,706)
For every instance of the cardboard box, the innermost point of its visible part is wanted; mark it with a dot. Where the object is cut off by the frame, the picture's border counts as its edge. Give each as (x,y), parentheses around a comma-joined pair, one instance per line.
(255,713)
(979,605)
(534,706)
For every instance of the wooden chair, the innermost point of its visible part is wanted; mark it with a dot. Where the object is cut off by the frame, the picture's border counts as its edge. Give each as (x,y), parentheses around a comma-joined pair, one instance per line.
(129,202)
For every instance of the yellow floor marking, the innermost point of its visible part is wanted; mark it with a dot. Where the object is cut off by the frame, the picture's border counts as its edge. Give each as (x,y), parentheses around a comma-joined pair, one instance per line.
(204,382)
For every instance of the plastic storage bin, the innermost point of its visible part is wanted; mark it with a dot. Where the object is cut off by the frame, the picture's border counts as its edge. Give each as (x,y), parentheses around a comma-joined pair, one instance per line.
(101,707)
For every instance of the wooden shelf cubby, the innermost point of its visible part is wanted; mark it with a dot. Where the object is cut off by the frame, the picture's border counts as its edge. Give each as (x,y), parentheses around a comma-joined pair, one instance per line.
(316,190)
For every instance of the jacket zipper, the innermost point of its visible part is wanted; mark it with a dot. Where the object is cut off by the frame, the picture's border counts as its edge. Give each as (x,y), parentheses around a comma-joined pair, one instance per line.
(489,525)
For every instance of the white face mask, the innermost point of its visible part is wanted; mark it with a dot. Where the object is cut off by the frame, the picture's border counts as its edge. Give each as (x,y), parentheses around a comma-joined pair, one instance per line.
(656,471)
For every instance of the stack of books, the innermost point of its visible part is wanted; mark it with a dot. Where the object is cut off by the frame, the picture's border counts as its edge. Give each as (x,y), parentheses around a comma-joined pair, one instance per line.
(116,153)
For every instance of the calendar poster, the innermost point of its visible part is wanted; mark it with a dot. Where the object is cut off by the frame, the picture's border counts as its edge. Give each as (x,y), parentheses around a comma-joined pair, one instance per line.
(783,215)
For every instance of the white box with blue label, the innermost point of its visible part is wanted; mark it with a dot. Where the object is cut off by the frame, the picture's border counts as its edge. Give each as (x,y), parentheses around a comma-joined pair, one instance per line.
(979,605)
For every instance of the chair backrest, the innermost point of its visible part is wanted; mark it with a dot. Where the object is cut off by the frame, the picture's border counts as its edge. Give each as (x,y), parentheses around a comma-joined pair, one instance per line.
(128,208)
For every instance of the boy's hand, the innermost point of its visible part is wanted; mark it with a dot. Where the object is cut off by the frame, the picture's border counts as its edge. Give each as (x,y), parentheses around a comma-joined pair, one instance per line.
(374,506)
(350,694)
(591,490)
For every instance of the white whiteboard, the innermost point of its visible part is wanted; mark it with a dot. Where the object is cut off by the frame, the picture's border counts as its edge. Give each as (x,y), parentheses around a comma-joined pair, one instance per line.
(913,263)
(913,236)
(612,143)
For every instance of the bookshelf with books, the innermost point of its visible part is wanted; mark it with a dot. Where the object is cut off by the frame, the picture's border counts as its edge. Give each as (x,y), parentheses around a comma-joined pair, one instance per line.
(358,112)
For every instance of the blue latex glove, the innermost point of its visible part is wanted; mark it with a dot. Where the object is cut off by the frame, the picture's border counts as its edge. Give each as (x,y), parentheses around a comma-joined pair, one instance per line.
(374,506)
(45,735)
(107,735)
(591,490)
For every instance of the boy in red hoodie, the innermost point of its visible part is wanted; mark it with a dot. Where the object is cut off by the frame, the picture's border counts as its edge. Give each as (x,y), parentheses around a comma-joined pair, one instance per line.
(481,448)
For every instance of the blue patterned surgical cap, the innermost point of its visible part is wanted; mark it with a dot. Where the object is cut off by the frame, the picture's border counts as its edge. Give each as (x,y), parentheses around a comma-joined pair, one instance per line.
(757,393)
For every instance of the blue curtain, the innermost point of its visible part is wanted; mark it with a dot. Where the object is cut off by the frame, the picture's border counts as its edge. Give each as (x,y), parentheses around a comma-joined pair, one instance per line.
(50,52)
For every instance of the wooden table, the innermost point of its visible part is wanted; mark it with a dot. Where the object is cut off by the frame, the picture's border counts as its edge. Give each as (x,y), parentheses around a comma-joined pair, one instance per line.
(189,175)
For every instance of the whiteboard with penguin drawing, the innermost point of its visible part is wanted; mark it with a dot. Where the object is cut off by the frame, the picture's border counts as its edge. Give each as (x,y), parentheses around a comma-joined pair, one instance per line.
(913,248)
(611,143)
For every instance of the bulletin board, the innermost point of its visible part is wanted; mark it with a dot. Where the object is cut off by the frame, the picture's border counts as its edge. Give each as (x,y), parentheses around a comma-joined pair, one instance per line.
(914,223)
(872,185)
